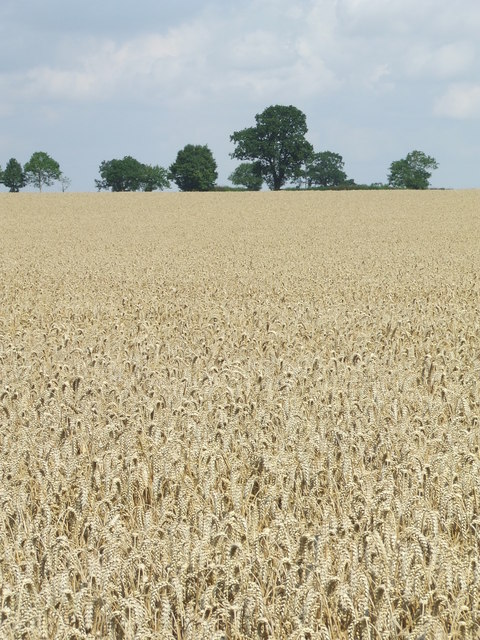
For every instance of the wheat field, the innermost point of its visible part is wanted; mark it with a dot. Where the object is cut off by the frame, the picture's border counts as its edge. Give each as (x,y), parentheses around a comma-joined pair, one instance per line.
(229,416)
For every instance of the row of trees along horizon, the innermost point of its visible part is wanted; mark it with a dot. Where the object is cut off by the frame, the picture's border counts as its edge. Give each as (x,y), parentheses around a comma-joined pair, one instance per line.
(274,152)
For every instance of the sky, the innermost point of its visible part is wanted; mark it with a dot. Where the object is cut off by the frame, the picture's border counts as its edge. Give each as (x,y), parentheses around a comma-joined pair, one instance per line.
(96,80)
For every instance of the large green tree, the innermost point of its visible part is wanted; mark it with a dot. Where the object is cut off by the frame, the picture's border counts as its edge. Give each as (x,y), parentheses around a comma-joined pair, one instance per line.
(248,175)
(120,174)
(412,172)
(42,170)
(194,169)
(324,169)
(276,143)
(14,176)
(128,174)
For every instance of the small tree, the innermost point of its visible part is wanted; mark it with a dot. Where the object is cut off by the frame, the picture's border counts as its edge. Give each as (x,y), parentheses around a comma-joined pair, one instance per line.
(324,169)
(413,172)
(194,169)
(65,182)
(42,170)
(248,175)
(277,143)
(14,176)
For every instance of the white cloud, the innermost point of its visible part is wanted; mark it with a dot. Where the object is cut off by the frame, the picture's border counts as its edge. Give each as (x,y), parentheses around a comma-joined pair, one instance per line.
(379,78)
(101,69)
(266,46)
(253,53)
(296,81)
(61,84)
(193,60)
(259,49)
(383,17)
(6,109)
(413,19)
(460,101)
(450,60)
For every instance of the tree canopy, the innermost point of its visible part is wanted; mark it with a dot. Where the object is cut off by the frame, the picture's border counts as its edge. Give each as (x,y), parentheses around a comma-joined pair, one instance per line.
(13,177)
(128,174)
(154,177)
(42,170)
(248,175)
(412,172)
(276,143)
(324,169)
(194,169)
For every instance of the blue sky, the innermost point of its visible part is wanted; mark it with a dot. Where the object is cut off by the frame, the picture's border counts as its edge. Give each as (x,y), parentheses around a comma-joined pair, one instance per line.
(91,81)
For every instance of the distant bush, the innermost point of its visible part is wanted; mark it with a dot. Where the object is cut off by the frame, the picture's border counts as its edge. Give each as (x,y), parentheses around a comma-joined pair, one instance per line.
(228,188)
(347,186)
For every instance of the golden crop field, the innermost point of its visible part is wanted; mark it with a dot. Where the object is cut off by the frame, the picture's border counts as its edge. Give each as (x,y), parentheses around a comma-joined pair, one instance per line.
(240,416)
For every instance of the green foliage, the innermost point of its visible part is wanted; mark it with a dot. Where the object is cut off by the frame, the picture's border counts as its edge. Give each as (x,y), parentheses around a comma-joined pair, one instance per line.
(413,172)
(248,175)
(120,175)
(324,169)
(194,169)
(276,143)
(42,170)
(348,185)
(13,177)
(226,187)
(154,177)
(128,174)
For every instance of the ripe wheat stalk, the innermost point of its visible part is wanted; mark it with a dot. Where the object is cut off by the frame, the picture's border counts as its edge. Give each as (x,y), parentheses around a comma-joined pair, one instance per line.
(240,416)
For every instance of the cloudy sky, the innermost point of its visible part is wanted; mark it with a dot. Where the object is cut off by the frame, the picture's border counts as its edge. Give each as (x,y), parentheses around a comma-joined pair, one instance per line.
(95,80)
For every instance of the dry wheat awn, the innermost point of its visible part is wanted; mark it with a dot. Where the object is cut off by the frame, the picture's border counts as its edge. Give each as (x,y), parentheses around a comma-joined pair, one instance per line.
(240,416)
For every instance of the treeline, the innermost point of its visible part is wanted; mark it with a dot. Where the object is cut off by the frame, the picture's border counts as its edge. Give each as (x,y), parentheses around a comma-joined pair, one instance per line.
(40,171)
(274,152)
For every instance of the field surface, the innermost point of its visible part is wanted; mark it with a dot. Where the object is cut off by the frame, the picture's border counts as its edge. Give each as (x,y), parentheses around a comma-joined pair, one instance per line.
(228,416)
